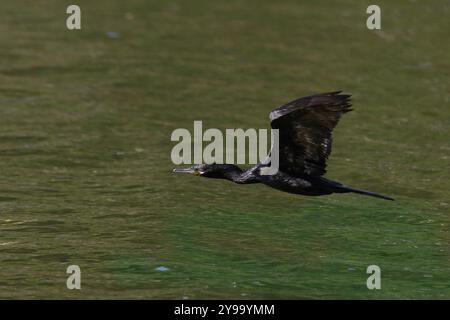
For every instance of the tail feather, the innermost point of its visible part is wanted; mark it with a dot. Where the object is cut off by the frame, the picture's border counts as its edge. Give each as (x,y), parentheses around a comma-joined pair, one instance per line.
(367,193)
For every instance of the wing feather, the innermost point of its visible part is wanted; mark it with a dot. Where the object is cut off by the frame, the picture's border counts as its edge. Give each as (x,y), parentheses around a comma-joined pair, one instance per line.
(305,131)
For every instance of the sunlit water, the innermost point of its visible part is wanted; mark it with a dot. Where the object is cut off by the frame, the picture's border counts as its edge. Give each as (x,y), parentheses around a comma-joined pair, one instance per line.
(85,150)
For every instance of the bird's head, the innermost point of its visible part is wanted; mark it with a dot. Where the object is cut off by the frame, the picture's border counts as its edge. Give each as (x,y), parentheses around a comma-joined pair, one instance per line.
(212,170)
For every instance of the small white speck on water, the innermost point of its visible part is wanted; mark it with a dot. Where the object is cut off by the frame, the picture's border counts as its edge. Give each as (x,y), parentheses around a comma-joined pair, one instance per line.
(162,268)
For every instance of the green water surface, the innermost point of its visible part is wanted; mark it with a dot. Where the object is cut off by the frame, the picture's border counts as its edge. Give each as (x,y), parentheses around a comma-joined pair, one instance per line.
(85,124)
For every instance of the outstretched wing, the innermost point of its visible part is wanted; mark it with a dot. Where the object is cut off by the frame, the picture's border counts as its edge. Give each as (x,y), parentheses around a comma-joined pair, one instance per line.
(305,131)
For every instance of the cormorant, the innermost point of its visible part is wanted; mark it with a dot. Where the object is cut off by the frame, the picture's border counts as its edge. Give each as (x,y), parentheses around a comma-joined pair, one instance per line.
(305,137)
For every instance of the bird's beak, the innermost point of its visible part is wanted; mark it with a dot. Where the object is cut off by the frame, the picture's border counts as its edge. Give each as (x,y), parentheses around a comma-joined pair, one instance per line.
(192,171)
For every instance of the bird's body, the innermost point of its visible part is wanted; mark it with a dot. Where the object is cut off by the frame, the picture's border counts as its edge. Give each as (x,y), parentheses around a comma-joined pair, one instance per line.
(306,185)
(305,129)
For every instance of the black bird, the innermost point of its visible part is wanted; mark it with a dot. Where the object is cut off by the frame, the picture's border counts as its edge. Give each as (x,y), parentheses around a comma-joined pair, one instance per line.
(305,136)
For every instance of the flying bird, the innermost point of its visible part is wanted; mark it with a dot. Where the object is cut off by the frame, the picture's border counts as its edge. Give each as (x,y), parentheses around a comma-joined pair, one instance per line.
(305,137)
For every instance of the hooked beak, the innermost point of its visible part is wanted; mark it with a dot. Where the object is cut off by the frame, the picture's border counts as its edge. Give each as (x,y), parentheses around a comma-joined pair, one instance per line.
(192,171)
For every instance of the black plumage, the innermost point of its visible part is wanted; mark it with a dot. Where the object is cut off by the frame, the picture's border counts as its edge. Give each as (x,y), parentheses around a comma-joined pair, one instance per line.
(305,138)
(306,127)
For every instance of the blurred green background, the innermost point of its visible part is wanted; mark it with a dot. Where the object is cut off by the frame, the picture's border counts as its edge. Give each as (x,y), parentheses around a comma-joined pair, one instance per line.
(85,124)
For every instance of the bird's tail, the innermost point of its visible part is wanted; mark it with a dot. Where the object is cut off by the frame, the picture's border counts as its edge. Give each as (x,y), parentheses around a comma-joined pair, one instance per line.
(344,189)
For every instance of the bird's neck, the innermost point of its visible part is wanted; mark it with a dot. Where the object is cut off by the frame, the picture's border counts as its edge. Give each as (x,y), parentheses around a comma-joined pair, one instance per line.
(235,174)
(231,172)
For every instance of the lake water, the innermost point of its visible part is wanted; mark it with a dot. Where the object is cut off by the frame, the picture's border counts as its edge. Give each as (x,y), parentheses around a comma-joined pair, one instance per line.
(86,180)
